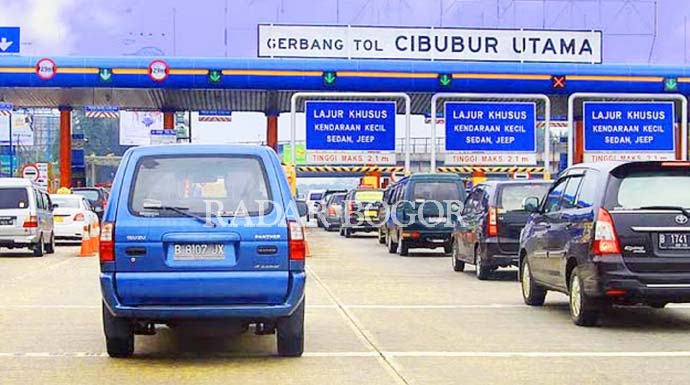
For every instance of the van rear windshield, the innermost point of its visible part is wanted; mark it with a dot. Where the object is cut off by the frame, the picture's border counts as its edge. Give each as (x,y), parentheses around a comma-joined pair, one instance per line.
(512,195)
(14,198)
(231,185)
(654,188)
(437,191)
(368,196)
(315,196)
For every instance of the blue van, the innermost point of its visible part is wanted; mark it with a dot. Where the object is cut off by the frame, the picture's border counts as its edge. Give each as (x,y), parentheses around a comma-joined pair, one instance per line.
(202,233)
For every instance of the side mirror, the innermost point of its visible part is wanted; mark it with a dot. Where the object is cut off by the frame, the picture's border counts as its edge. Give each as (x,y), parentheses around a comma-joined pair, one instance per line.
(531,204)
(301,208)
(54,206)
(456,211)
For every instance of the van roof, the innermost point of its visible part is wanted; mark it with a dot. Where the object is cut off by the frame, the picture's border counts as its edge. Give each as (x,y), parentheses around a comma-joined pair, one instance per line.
(200,149)
(17,182)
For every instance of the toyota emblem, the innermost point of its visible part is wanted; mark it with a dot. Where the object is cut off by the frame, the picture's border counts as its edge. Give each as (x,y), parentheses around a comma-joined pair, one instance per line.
(681,219)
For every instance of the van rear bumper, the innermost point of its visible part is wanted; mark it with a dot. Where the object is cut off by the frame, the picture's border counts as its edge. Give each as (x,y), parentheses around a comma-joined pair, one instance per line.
(294,297)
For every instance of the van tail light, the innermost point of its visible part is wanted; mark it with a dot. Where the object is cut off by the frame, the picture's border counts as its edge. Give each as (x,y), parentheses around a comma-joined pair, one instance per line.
(492,228)
(351,206)
(107,243)
(298,249)
(104,203)
(605,237)
(331,211)
(31,222)
(78,217)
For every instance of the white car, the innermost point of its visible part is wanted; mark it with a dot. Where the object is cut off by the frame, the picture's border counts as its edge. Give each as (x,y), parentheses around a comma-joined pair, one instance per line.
(313,198)
(26,219)
(72,212)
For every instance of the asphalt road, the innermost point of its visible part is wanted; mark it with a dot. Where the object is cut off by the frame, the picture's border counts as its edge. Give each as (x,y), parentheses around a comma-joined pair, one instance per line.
(372,318)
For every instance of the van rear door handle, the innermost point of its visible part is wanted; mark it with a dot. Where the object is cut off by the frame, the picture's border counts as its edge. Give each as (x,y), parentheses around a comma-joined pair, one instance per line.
(135,251)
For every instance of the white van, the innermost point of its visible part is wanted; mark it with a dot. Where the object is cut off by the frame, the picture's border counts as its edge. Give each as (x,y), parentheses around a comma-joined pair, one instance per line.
(26,216)
(313,198)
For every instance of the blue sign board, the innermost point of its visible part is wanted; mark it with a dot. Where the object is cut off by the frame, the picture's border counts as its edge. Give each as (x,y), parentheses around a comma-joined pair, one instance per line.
(6,106)
(215,113)
(101,108)
(350,125)
(629,126)
(9,40)
(491,126)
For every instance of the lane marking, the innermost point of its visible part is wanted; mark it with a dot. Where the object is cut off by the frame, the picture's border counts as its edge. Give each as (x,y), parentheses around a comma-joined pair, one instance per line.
(377,354)
(422,307)
(386,361)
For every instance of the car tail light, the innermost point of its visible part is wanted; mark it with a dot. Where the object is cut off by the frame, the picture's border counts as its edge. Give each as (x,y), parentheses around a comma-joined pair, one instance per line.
(104,203)
(605,237)
(331,211)
(675,164)
(31,222)
(107,243)
(78,217)
(351,206)
(412,234)
(492,229)
(616,292)
(298,249)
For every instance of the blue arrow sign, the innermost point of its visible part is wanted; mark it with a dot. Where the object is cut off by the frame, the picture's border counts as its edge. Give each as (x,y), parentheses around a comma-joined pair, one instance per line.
(490,126)
(9,40)
(629,126)
(6,106)
(350,125)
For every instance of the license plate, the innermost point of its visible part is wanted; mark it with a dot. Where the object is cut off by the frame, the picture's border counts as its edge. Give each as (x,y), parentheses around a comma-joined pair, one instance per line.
(674,241)
(371,213)
(58,219)
(198,251)
(436,219)
(6,221)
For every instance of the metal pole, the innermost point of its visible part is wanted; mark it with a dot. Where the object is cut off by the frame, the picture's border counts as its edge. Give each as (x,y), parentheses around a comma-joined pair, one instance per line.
(390,95)
(11,147)
(649,97)
(475,96)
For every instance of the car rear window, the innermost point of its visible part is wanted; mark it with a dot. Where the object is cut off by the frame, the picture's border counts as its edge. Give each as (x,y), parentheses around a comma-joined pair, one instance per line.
(368,196)
(338,198)
(512,195)
(437,191)
(65,202)
(14,198)
(663,188)
(232,185)
(315,196)
(91,195)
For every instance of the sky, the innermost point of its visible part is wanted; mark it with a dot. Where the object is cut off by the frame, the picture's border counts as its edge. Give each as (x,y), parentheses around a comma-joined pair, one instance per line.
(634,31)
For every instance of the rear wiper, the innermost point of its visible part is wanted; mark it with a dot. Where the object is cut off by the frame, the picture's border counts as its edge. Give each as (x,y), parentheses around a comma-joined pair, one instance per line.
(673,208)
(179,210)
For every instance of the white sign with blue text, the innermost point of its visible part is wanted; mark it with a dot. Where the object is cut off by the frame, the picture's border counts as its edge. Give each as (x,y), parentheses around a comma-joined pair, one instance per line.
(629,131)
(491,133)
(350,132)
(355,42)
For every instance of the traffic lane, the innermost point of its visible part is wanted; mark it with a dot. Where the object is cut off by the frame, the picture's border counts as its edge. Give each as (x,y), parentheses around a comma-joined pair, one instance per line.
(423,277)
(194,370)
(15,264)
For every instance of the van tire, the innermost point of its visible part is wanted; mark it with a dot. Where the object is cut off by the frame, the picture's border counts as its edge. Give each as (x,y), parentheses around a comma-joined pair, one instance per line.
(291,333)
(50,247)
(348,233)
(392,246)
(403,247)
(382,238)
(38,248)
(119,336)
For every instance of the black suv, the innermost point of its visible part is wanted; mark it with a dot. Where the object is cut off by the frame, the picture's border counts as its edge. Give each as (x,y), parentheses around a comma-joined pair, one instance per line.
(610,233)
(419,212)
(493,217)
(97,196)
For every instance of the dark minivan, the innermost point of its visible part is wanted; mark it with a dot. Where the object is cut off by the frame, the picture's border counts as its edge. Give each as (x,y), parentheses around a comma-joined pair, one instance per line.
(492,218)
(610,233)
(419,212)
(202,233)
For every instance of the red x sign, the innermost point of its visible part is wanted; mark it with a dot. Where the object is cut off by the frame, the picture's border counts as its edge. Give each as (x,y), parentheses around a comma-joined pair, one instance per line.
(558,81)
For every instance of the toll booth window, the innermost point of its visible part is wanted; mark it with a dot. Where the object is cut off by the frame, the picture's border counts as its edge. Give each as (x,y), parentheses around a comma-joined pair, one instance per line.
(13,198)
(200,184)
(436,191)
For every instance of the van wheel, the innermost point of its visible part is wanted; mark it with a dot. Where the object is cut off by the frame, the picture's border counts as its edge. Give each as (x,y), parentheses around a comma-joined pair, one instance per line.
(392,246)
(382,238)
(38,248)
(584,311)
(50,247)
(291,333)
(481,269)
(119,336)
(532,293)
(348,233)
(458,265)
